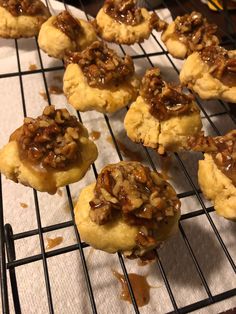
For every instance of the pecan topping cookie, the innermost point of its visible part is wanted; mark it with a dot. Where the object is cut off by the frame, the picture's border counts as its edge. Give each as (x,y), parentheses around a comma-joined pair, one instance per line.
(128,195)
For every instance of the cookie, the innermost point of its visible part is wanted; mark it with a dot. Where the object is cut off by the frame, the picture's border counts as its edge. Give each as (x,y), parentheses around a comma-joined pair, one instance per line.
(123,23)
(22,18)
(48,152)
(63,33)
(211,73)
(163,116)
(98,79)
(217,172)
(130,209)
(189,33)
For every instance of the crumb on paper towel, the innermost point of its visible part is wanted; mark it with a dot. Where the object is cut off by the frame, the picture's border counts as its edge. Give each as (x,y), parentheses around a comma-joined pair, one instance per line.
(55,90)
(44,95)
(95,135)
(33,67)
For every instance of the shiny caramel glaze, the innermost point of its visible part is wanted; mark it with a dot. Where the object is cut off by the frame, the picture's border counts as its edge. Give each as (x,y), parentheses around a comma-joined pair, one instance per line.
(68,25)
(52,242)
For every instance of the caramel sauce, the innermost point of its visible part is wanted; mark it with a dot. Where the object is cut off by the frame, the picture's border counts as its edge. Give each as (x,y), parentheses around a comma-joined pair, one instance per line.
(140,286)
(95,135)
(52,242)
(33,67)
(55,90)
(24,205)
(125,150)
(44,95)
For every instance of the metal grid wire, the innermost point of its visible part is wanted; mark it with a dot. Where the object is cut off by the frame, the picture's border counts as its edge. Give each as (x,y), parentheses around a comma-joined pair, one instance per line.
(8,238)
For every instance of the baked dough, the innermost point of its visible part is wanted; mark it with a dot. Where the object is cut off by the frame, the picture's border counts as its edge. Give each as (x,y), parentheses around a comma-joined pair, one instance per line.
(116,235)
(107,99)
(200,77)
(22,25)
(56,43)
(121,33)
(44,179)
(169,134)
(217,187)
(217,172)
(183,36)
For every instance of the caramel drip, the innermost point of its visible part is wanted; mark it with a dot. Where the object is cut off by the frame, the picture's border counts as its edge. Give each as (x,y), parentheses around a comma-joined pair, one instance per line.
(95,135)
(24,205)
(140,287)
(52,242)
(33,67)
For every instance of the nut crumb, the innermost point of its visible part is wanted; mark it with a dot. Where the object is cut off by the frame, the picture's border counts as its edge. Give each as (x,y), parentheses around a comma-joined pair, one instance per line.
(33,67)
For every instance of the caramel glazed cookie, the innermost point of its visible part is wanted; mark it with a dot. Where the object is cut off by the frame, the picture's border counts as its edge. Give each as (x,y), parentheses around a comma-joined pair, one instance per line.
(21,18)
(211,73)
(129,209)
(63,33)
(48,152)
(162,117)
(98,79)
(217,172)
(120,21)
(189,33)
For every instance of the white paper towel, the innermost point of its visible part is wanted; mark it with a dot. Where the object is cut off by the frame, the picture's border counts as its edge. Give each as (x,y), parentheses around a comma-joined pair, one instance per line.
(66,276)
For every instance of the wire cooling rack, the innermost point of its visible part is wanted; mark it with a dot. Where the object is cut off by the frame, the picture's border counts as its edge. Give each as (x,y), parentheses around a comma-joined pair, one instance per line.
(203,210)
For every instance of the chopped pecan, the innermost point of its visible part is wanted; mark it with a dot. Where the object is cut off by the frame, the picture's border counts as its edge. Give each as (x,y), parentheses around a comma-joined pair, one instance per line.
(101,65)
(68,25)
